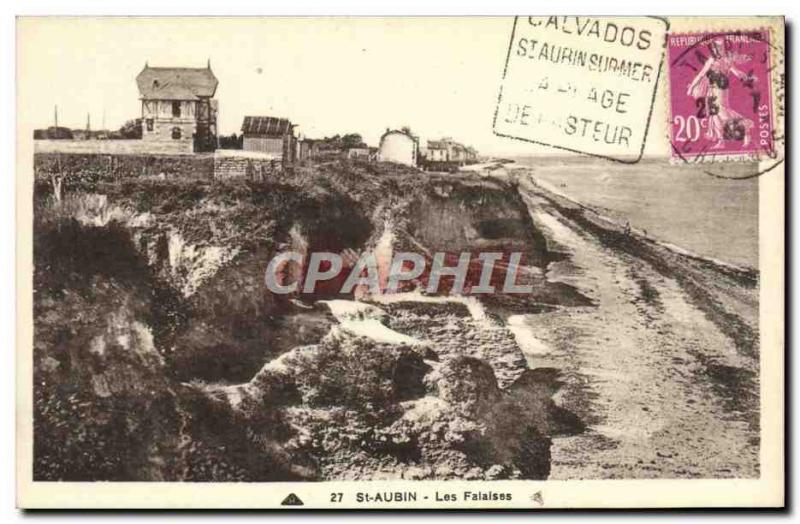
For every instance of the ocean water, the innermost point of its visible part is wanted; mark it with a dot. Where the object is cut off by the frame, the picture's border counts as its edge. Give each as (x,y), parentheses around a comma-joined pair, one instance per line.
(678,204)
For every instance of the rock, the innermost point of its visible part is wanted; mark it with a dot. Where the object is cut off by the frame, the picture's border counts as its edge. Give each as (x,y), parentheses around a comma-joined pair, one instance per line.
(416,473)
(474,474)
(407,376)
(468,384)
(444,471)
(496,472)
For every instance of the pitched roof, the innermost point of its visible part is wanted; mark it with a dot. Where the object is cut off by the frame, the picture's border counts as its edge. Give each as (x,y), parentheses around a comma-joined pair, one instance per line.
(266,125)
(176,83)
(437,144)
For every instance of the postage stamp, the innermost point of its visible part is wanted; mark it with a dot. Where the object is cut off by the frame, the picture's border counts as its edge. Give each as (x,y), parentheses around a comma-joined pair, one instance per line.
(605,70)
(720,99)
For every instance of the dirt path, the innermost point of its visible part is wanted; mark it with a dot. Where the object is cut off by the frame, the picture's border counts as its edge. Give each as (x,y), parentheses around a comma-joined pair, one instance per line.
(662,389)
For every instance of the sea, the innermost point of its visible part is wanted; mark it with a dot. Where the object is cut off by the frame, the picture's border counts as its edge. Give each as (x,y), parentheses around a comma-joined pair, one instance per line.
(679,204)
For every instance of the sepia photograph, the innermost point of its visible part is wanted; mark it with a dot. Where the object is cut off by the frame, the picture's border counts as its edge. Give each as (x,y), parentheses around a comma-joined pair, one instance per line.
(315,261)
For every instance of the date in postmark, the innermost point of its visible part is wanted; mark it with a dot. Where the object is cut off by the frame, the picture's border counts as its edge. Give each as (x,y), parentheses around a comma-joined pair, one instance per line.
(720,96)
(582,84)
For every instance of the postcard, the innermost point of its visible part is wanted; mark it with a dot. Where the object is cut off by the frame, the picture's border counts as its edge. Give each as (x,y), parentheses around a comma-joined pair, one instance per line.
(531,262)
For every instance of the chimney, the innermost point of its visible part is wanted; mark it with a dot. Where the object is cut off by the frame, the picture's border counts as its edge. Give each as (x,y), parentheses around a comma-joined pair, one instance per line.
(209,63)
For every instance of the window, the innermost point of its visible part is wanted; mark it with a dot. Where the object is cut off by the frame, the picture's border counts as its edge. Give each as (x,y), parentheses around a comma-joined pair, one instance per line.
(176,109)
(149,124)
(176,133)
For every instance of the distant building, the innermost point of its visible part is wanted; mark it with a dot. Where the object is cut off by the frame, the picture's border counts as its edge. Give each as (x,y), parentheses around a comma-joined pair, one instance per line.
(472,155)
(267,134)
(53,133)
(399,146)
(369,154)
(83,134)
(305,148)
(447,154)
(436,151)
(178,104)
(458,153)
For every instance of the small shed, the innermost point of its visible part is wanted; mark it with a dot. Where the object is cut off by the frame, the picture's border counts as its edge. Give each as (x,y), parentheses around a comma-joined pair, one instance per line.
(270,135)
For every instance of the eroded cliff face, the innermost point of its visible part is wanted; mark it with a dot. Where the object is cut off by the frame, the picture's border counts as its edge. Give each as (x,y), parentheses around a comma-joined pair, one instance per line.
(160,355)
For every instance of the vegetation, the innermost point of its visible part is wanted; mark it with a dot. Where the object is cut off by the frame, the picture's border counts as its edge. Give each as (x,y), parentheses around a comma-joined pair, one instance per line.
(132,129)
(341,142)
(232,141)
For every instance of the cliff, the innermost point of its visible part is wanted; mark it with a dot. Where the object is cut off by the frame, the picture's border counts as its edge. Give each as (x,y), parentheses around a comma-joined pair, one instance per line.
(160,355)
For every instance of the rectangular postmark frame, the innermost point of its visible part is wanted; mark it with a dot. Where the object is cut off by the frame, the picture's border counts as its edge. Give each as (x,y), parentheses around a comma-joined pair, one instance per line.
(605,70)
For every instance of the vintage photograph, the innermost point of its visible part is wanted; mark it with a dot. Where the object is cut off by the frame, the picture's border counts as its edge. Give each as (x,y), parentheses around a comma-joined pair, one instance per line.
(271,250)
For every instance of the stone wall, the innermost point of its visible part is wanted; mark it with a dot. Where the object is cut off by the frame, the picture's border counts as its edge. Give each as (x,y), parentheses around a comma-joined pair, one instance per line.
(243,167)
(116,147)
(107,166)
(220,166)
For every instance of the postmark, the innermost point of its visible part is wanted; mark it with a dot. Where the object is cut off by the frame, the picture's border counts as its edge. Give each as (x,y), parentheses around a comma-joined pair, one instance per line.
(722,97)
(582,84)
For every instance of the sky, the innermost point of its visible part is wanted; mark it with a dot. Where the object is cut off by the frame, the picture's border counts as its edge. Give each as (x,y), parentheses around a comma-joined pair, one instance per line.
(328,75)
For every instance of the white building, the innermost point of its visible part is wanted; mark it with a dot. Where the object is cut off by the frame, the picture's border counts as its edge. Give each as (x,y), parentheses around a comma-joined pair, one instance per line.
(399,146)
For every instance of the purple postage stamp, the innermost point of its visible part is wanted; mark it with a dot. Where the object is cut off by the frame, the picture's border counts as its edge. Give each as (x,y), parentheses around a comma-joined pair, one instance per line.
(721,95)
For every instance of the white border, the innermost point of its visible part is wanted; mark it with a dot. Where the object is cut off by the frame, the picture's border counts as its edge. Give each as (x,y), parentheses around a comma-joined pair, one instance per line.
(127,7)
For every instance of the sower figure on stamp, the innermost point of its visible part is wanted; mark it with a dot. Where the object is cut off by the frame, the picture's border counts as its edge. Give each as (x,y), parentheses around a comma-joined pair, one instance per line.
(710,90)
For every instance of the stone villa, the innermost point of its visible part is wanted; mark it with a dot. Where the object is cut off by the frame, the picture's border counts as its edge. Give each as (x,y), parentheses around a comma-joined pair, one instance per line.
(178,105)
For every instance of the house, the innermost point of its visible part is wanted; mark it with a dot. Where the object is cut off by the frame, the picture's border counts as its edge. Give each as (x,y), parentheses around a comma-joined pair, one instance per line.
(436,151)
(270,135)
(446,155)
(400,146)
(178,105)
